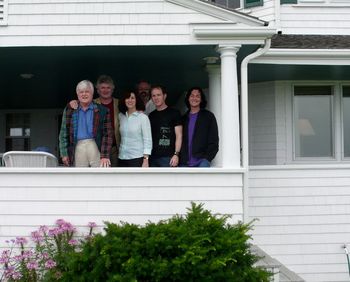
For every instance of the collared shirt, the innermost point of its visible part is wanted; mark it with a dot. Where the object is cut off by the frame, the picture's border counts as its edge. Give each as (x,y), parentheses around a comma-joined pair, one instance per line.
(85,123)
(136,136)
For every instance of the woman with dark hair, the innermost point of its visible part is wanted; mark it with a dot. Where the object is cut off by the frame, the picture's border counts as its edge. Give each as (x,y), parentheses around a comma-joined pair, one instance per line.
(135,131)
(200,141)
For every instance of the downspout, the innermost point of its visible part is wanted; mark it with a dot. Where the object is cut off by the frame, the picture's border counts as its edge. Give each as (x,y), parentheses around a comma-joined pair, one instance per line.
(244,122)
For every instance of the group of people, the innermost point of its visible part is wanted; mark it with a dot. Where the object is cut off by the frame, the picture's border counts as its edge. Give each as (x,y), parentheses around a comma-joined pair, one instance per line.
(139,130)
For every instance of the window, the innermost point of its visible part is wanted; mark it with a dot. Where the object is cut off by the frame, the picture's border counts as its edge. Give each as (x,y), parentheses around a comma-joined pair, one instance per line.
(17,132)
(234,4)
(313,122)
(289,1)
(253,3)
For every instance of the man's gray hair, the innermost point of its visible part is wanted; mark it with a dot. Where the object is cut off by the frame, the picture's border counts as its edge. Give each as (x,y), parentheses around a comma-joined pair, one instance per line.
(85,84)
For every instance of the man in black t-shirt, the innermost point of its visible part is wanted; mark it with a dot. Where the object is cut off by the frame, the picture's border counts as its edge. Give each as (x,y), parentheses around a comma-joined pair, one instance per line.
(166,131)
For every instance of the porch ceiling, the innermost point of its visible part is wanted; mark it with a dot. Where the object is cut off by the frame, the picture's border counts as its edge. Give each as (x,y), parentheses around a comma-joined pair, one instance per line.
(56,70)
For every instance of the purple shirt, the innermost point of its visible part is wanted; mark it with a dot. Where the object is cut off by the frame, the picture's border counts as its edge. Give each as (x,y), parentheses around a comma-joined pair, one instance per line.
(192,161)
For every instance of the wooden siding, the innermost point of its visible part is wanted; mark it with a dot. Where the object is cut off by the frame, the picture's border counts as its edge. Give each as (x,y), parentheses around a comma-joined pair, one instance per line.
(3,12)
(303,217)
(40,196)
(316,19)
(76,22)
(262,124)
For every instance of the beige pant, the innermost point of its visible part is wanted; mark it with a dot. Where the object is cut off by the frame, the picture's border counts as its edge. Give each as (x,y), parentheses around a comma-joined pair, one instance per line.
(87,154)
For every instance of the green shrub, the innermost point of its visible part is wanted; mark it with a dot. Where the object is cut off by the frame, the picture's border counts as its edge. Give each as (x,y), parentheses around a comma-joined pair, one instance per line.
(197,247)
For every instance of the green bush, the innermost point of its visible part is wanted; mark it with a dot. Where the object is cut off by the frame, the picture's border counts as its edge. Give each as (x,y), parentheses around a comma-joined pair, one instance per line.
(197,247)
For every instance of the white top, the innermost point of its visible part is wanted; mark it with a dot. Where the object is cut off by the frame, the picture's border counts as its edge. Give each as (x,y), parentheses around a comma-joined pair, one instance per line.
(150,107)
(136,136)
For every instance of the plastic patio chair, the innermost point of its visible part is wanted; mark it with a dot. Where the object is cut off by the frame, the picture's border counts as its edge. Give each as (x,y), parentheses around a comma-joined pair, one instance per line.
(29,159)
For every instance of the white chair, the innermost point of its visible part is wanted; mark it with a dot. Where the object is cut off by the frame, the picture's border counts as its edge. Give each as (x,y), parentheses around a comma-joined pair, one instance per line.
(29,159)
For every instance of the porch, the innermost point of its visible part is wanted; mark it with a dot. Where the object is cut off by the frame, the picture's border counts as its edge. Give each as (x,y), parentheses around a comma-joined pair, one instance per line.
(32,197)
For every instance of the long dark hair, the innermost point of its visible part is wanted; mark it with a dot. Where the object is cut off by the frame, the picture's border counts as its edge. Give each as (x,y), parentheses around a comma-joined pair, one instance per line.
(203,103)
(140,106)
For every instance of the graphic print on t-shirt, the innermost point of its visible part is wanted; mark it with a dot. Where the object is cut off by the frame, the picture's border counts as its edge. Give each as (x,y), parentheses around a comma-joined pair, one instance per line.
(164,139)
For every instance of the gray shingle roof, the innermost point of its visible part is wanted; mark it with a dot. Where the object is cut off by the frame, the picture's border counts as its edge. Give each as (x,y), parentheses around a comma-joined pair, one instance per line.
(310,41)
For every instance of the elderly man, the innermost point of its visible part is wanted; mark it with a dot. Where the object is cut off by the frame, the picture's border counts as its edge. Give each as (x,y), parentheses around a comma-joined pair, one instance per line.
(86,134)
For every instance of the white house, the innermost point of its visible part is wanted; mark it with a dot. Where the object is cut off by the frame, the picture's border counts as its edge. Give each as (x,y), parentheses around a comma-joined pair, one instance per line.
(284,152)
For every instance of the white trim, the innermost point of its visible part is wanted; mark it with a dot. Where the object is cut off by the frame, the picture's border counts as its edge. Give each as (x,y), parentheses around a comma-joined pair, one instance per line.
(119,170)
(341,110)
(338,121)
(219,12)
(4,9)
(245,123)
(231,31)
(301,167)
(305,57)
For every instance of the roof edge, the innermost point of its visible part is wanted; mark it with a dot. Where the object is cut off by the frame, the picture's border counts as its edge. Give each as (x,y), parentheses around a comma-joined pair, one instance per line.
(305,57)
(219,12)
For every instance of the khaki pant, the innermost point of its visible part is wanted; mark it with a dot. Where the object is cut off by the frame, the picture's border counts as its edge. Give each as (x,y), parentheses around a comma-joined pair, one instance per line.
(87,154)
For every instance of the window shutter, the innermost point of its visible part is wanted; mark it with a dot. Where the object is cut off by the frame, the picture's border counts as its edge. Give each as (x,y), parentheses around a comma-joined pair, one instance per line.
(253,3)
(289,1)
(3,12)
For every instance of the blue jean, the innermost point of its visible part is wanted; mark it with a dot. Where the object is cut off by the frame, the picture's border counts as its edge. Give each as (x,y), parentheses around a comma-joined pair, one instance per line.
(202,163)
(160,161)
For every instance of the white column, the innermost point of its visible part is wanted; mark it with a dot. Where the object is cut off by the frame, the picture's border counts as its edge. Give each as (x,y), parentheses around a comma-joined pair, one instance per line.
(230,111)
(214,104)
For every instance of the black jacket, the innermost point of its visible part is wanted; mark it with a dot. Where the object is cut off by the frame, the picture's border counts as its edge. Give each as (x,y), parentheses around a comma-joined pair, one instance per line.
(205,141)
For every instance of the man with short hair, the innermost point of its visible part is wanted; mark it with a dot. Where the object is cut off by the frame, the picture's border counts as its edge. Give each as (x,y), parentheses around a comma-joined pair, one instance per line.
(86,134)
(166,131)
(144,90)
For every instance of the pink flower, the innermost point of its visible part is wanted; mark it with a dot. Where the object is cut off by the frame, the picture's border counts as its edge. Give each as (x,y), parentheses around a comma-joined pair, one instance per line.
(5,257)
(73,242)
(50,264)
(37,237)
(28,254)
(67,227)
(45,255)
(32,265)
(9,271)
(18,258)
(43,228)
(92,224)
(21,241)
(55,231)
(16,276)
(60,222)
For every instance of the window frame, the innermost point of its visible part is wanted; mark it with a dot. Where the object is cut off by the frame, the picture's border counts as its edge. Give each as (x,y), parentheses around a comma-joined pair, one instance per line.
(288,2)
(333,122)
(337,121)
(256,3)
(343,157)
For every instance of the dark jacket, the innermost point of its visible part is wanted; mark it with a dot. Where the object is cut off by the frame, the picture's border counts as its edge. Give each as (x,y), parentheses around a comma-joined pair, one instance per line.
(205,141)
